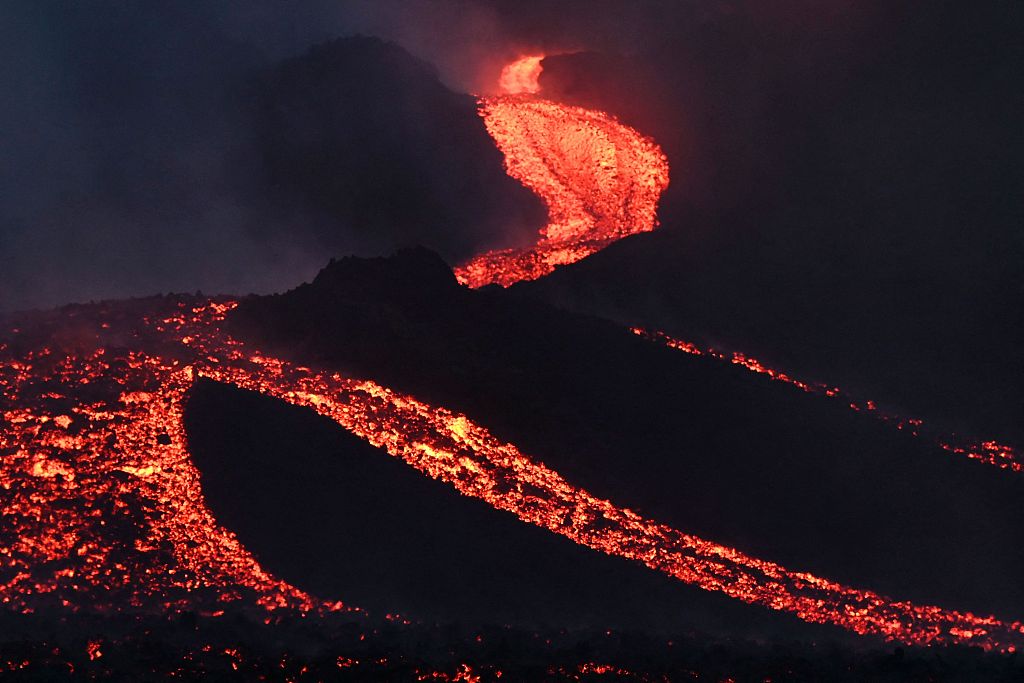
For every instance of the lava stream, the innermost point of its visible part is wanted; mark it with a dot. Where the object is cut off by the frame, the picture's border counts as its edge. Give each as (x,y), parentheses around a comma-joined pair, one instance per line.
(601,181)
(989,452)
(101,502)
(103,505)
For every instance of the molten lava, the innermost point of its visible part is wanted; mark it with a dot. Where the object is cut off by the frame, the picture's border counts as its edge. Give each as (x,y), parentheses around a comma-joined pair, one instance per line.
(103,508)
(600,180)
(101,503)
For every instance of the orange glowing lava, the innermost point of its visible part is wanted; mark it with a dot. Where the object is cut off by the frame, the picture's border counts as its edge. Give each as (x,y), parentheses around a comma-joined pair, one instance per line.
(989,452)
(103,508)
(101,503)
(601,181)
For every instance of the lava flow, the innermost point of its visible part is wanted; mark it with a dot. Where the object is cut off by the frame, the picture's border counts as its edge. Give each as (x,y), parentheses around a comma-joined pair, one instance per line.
(989,452)
(601,180)
(102,507)
(103,510)
(101,500)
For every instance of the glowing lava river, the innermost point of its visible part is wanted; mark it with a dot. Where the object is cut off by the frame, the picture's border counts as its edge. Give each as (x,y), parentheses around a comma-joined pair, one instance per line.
(101,502)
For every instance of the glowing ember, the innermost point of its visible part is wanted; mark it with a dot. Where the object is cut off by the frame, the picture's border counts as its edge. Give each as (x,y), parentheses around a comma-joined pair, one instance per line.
(521,76)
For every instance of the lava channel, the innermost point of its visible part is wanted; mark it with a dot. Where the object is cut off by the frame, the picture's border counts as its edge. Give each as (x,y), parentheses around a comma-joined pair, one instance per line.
(600,179)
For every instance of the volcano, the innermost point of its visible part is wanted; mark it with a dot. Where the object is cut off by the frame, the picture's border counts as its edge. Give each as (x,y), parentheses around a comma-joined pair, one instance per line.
(444,446)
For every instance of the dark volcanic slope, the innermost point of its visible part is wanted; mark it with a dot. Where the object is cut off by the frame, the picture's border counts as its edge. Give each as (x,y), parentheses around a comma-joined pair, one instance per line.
(708,448)
(362,135)
(170,157)
(344,520)
(845,201)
